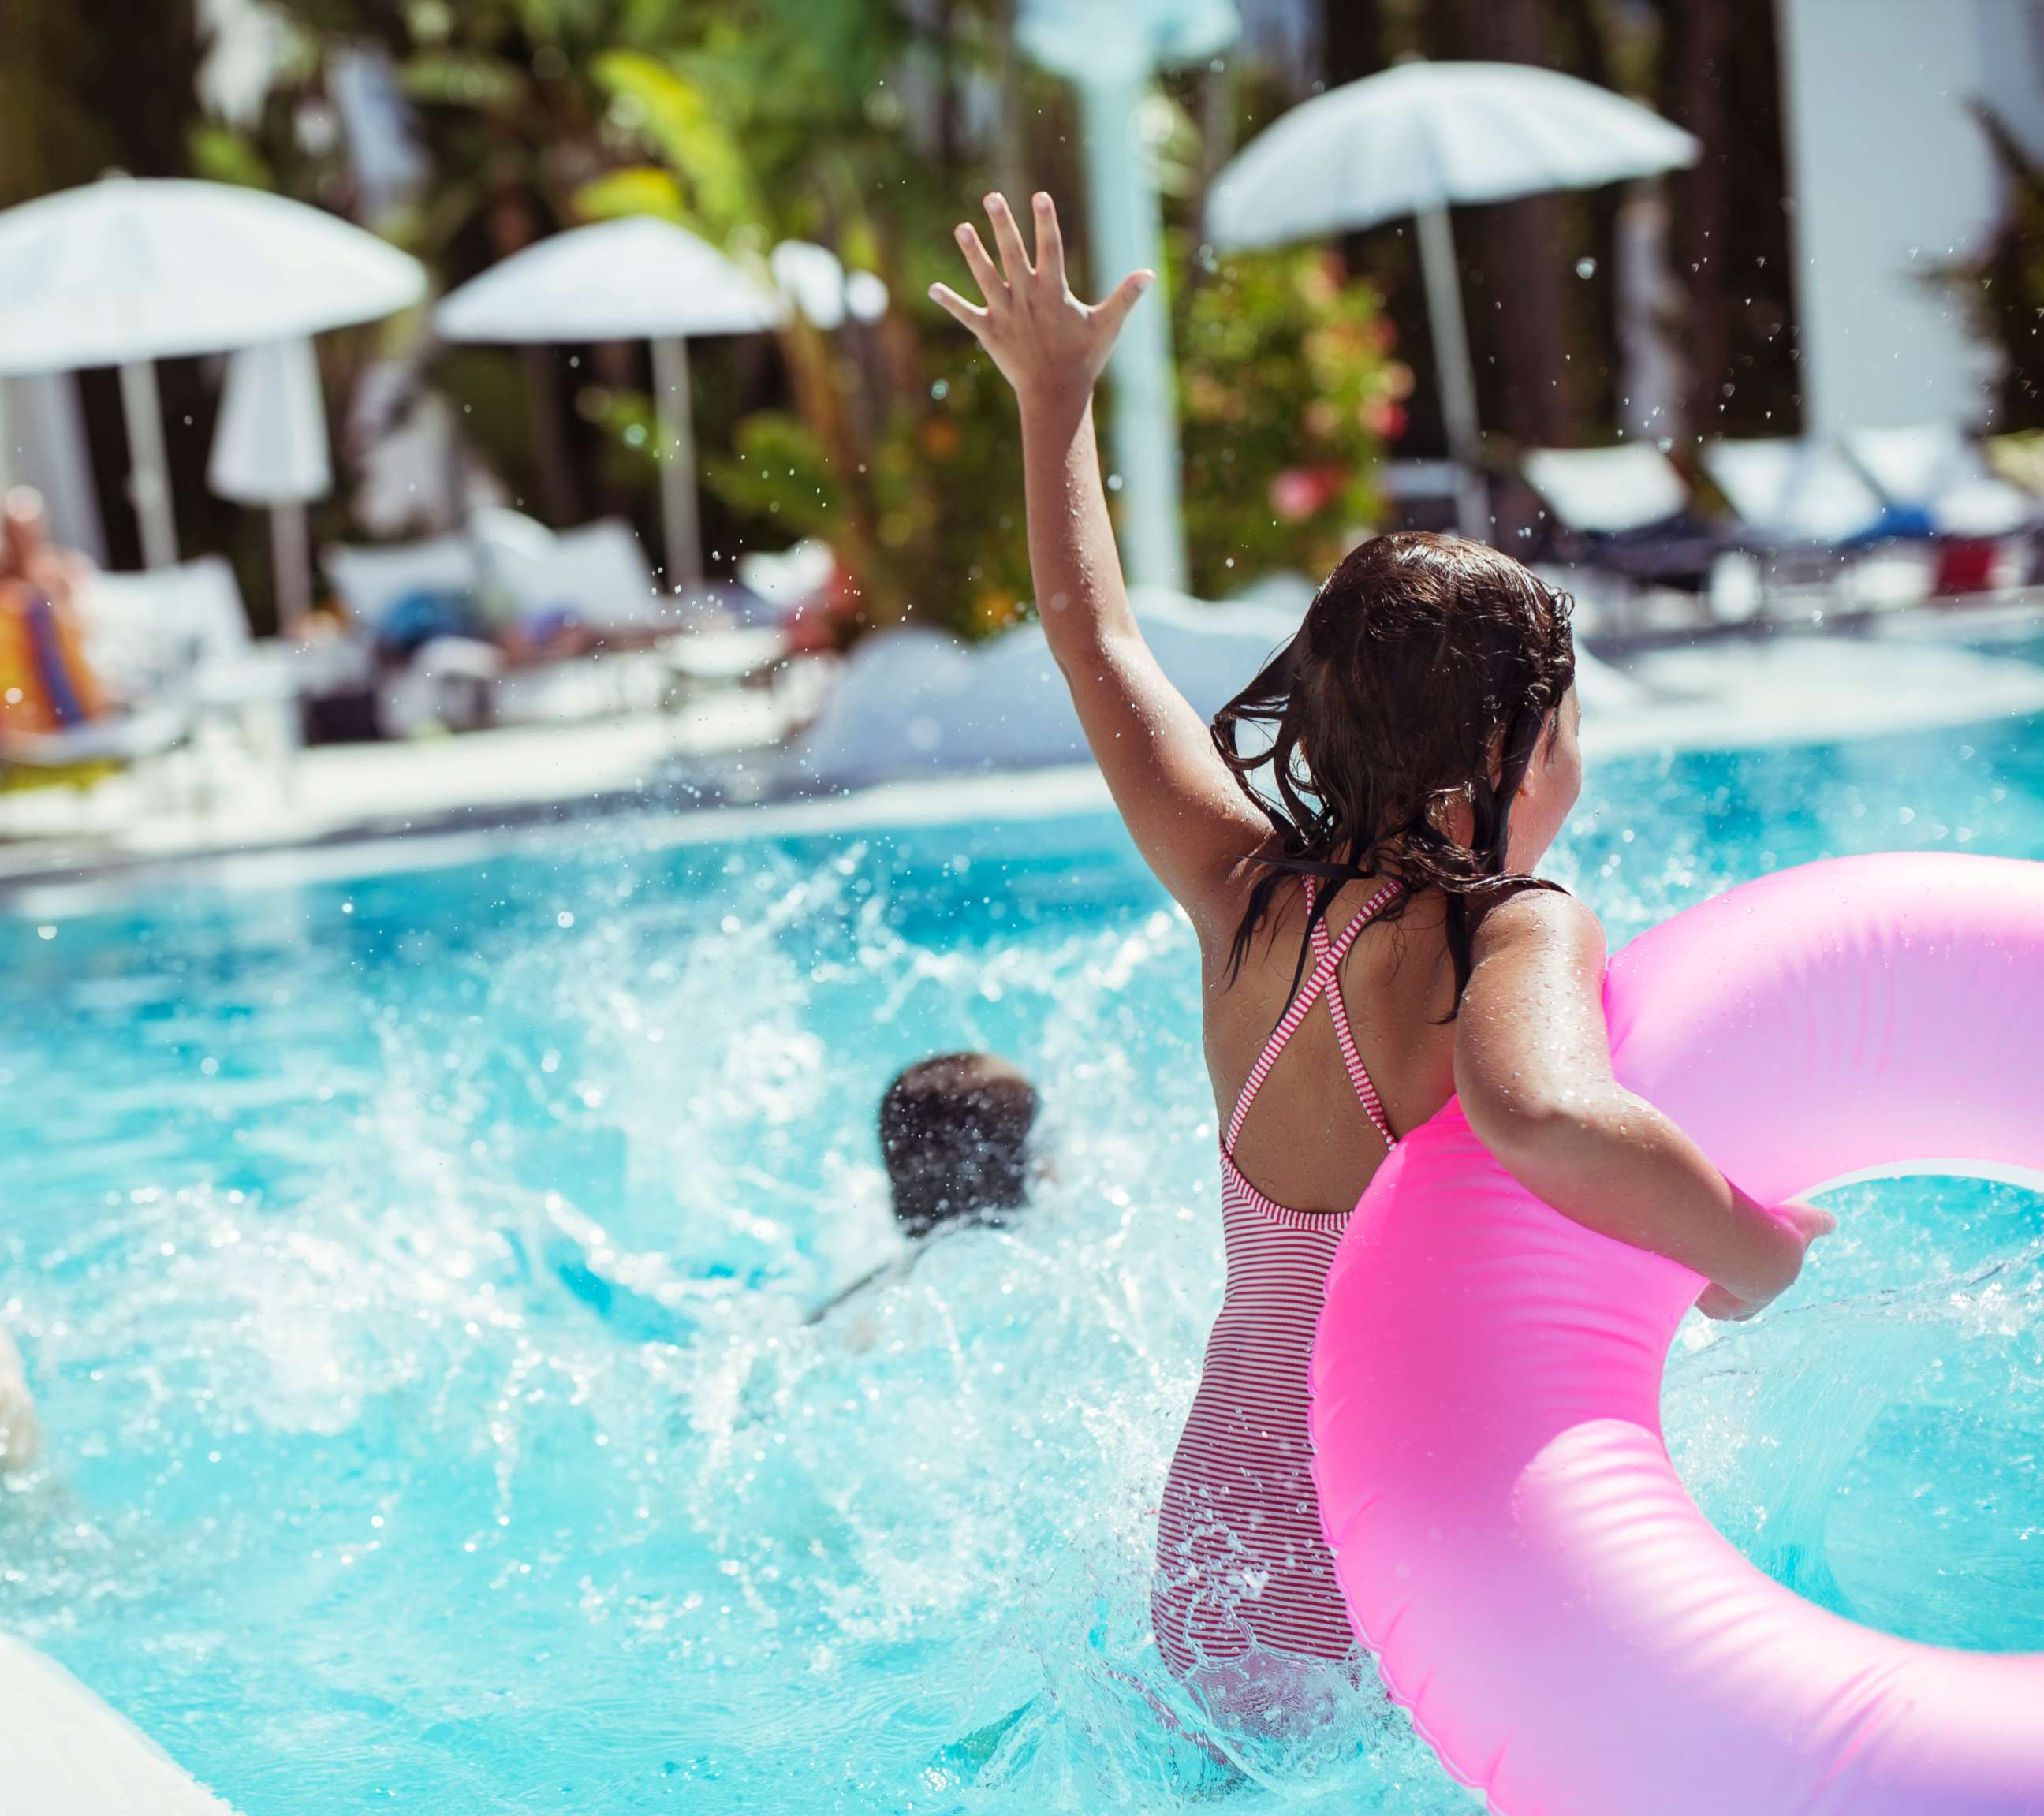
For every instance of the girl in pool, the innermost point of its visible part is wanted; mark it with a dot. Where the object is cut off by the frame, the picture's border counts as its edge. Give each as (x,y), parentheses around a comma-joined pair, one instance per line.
(1355,841)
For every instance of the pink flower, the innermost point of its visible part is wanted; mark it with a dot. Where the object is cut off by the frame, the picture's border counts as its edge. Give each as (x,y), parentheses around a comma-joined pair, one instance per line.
(1302,492)
(1385,419)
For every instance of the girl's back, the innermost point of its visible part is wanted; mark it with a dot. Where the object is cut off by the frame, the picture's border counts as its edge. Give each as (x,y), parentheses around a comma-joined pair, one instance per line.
(1308,1141)
(1313,1074)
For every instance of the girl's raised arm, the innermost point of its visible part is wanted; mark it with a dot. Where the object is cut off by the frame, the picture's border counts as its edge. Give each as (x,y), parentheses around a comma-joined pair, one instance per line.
(1188,816)
(1533,1072)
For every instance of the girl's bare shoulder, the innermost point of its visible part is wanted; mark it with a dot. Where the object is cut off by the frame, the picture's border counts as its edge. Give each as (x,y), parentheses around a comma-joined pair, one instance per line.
(1546,921)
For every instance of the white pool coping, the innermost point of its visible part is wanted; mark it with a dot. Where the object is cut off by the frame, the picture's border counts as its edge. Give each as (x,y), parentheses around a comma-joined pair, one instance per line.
(67,1753)
(1728,694)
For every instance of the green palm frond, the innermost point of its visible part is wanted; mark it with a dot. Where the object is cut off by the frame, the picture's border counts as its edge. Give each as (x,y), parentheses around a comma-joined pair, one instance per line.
(675,116)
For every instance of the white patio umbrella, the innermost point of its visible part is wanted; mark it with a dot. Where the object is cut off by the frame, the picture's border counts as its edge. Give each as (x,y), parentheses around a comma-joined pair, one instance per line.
(270,448)
(129,270)
(1111,53)
(1414,140)
(814,278)
(634,279)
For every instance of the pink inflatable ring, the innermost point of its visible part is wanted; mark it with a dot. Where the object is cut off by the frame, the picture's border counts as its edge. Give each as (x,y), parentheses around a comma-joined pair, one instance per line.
(1567,1630)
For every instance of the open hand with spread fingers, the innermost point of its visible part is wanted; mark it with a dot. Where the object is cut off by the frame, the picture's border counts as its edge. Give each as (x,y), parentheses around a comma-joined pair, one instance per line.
(1189,816)
(1049,345)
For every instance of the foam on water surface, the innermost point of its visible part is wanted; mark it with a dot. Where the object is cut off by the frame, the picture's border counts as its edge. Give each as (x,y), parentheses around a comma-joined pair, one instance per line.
(412,1270)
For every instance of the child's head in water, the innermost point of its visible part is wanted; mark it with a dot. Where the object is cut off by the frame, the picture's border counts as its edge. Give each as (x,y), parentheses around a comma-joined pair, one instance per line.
(1421,724)
(955,1134)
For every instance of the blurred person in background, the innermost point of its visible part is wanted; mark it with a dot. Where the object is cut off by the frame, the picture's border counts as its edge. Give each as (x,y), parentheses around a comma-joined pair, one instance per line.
(27,553)
(46,684)
(955,1136)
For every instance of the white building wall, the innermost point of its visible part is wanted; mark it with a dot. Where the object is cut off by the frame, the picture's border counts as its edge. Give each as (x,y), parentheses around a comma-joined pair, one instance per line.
(1891,177)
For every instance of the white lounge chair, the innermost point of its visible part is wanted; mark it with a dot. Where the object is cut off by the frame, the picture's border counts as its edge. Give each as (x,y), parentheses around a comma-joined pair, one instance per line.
(176,641)
(372,580)
(598,574)
(776,585)
(516,570)
(1624,509)
(1933,472)
(162,623)
(1818,529)
(449,681)
(124,740)
(595,576)
(1791,494)
(153,670)
(1606,491)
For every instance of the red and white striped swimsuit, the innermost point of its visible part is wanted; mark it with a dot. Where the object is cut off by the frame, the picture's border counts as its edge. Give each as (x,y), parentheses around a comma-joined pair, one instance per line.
(1241,1560)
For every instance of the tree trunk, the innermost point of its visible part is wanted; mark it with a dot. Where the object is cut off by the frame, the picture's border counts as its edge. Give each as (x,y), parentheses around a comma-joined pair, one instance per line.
(945,33)
(86,87)
(512,226)
(1584,34)
(1357,39)
(1351,39)
(1732,250)
(1513,257)
(1700,38)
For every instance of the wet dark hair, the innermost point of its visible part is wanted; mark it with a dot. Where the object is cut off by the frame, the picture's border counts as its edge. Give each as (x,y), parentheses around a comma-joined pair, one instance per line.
(955,1134)
(1425,672)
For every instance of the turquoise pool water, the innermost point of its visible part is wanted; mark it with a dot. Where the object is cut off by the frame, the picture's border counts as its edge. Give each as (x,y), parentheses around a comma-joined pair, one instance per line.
(412,1272)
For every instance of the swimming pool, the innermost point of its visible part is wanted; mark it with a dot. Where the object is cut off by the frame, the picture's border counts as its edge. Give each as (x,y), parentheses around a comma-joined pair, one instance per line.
(412,1268)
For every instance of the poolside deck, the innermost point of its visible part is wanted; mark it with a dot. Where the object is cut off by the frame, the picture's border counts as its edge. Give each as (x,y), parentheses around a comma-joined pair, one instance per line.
(67,1751)
(209,802)
(1911,671)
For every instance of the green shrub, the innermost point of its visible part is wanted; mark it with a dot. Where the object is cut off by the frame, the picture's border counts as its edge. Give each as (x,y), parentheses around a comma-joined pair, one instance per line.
(1288,398)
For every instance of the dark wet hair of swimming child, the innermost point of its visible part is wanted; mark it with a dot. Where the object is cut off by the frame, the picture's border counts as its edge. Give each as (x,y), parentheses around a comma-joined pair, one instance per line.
(955,1134)
(1424,674)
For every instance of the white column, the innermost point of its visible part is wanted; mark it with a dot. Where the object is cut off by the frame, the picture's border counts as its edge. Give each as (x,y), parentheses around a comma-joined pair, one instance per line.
(1893,178)
(1121,198)
(680,529)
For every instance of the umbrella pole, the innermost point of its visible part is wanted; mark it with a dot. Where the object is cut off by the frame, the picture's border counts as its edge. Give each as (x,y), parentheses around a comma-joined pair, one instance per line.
(290,565)
(1454,369)
(680,529)
(149,476)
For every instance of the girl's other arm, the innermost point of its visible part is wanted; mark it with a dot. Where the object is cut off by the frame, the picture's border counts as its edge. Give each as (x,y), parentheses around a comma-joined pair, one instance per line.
(1533,1071)
(1189,817)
